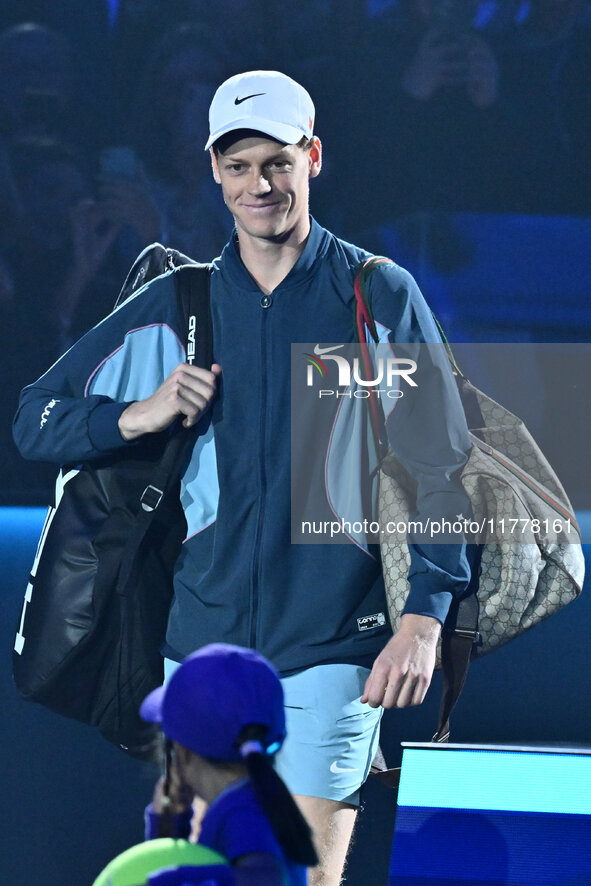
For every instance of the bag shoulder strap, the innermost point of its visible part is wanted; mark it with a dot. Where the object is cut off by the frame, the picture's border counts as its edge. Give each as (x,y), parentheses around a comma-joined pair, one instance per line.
(363,315)
(457,640)
(193,305)
(364,321)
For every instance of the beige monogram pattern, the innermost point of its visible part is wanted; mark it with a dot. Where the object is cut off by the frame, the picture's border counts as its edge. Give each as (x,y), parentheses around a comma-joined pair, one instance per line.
(525,576)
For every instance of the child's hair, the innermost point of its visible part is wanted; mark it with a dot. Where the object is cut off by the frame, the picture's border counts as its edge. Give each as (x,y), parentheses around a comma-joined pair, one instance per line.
(165,828)
(289,825)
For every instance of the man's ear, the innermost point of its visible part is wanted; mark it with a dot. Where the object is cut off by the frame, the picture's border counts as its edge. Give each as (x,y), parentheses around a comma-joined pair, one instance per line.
(315,157)
(214,166)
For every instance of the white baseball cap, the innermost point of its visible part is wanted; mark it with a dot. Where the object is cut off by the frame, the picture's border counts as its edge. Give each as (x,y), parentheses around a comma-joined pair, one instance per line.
(266,101)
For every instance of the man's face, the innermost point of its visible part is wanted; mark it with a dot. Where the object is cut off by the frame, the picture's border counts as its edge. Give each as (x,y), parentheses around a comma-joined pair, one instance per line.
(265,185)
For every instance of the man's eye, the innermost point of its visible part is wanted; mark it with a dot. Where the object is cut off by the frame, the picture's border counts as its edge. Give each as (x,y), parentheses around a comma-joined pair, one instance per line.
(235,167)
(279,164)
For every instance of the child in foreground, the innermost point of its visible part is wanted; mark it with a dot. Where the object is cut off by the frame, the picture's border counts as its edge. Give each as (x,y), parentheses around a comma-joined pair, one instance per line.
(222,717)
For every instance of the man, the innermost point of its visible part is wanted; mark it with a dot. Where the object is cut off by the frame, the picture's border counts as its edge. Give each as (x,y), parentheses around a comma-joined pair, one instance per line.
(281,279)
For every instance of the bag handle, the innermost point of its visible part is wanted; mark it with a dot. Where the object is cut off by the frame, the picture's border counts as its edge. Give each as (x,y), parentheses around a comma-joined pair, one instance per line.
(153,261)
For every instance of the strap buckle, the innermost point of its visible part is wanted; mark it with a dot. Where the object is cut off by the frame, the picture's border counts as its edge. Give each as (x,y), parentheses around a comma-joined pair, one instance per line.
(471,635)
(151,498)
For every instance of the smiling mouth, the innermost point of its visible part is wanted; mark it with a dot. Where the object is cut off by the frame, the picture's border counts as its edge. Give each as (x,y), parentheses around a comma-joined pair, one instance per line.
(260,205)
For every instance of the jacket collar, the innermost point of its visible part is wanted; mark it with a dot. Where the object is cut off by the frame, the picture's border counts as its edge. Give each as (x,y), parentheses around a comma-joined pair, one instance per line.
(316,246)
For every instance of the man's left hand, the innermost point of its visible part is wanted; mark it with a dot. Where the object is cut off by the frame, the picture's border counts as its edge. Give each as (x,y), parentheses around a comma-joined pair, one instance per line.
(402,672)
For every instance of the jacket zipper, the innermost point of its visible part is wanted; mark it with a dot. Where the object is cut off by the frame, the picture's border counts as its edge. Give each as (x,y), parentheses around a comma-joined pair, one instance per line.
(256,561)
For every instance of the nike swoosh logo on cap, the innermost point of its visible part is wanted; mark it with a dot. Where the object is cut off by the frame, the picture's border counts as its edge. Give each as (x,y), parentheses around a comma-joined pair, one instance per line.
(334,767)
(238,101)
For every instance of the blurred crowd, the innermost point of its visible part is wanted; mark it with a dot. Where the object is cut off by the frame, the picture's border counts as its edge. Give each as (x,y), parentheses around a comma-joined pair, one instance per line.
(421,104)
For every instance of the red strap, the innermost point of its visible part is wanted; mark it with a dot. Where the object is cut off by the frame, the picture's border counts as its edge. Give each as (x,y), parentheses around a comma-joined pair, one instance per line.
(366,322)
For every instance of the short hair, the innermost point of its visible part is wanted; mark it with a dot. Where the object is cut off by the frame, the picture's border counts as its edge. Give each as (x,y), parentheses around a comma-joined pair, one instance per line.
(221,145)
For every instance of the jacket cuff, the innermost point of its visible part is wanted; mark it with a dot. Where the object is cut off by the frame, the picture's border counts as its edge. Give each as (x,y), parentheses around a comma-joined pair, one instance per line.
(427,598)
(180,823)
(103,428)
(433,585)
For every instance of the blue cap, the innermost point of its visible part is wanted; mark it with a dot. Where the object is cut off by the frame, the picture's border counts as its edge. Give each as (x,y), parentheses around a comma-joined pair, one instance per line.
(213,695)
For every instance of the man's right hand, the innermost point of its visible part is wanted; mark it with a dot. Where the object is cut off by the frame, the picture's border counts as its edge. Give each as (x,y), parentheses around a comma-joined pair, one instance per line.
(188,391)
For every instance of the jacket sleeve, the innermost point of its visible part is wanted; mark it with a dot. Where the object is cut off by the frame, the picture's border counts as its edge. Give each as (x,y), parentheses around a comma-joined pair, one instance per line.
(180,823)
(426,428)
(71,413)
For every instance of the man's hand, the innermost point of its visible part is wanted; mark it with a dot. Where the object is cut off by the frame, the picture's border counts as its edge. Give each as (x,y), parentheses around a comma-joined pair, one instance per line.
(402,672)
(187,391)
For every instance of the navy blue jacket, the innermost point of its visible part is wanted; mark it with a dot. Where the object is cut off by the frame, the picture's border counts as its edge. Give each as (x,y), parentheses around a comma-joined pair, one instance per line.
(239,578)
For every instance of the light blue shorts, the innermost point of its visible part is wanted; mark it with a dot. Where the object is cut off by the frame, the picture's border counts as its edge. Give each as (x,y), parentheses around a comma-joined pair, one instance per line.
(331,737)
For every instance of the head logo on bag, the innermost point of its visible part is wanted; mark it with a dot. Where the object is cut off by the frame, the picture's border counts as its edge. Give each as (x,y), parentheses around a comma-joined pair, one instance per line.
(191,339)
